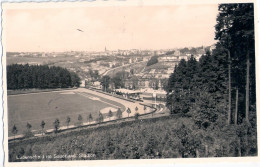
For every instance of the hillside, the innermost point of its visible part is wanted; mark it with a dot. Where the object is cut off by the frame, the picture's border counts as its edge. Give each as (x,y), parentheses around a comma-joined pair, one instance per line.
(165,137)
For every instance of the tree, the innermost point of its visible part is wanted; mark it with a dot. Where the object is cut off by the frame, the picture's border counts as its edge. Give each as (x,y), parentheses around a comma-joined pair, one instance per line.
(223,24)
(184,50)
(42,125)
(128,111)
(100,117)
(90,118)
(14,130)
(137,116)
(75,80)
(28,133)
(178,87)
(40,76)
(105,82)
(153,60)
(136,109)
(164,83)
(170,52)
(119,113)
(135,80)
(144,108)
(68,121)
(117,81)
(28,126)
(110,114)
(56,124)
(132,71)
(80,119)
(235,31)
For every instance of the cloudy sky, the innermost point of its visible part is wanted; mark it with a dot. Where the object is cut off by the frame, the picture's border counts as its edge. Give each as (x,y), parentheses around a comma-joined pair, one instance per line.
(146,27)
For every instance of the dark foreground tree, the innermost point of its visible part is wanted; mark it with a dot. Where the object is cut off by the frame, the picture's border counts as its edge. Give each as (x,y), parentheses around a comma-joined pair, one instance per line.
(235,32)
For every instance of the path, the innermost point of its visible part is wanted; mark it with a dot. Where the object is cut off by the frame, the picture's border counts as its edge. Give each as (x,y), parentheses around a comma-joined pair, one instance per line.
(127,104)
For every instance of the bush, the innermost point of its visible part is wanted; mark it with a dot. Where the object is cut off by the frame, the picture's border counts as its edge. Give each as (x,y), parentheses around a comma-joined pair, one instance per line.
(152,61)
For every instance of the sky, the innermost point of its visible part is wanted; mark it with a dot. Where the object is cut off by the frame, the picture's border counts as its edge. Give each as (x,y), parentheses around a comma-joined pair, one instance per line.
(113,27)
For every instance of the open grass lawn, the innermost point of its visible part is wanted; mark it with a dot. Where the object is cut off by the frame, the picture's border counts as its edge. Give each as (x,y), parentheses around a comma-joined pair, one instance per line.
(48,106)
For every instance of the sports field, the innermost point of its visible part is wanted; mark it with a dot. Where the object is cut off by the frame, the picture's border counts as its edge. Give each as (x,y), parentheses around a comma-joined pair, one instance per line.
(48,106)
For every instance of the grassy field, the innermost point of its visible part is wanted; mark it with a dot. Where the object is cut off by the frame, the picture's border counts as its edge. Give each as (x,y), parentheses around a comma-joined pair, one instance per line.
(48,106)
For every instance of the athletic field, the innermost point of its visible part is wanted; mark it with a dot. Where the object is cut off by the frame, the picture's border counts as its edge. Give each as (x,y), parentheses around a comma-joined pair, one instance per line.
(48,106)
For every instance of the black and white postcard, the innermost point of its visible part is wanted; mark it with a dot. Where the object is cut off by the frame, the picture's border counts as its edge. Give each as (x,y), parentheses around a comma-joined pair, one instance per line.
(104,81)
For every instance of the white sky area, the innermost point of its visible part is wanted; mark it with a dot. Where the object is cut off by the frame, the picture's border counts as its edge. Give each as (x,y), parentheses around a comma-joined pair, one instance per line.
(146,27)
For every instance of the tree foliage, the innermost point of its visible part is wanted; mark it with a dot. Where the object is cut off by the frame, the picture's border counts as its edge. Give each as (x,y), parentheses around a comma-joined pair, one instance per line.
(197,97)
(110,114)
(80,119)
(153,60)
(206,91)
(105,81)
(156,138)
(56,125)
(235,32)
(90,118)
(68,119)
(14,130)
(119,113)
(40,76)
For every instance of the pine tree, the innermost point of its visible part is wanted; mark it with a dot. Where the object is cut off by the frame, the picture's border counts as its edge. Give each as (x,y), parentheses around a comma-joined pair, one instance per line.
(235,31)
